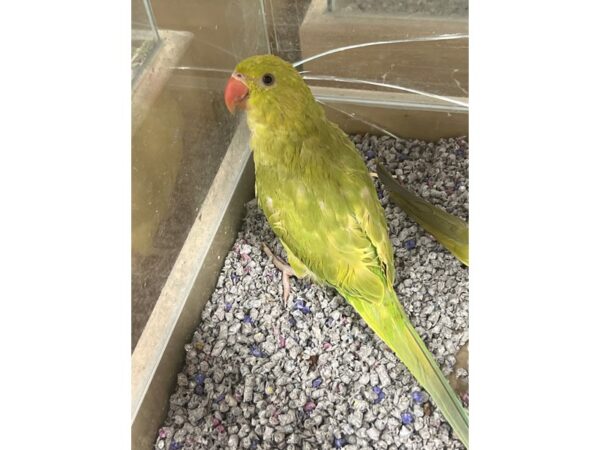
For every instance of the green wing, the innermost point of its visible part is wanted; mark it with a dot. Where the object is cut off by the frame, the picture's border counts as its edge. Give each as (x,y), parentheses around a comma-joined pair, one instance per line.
(323,206)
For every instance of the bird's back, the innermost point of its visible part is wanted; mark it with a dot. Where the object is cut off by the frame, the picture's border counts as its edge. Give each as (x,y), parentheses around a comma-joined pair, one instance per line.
(320,201)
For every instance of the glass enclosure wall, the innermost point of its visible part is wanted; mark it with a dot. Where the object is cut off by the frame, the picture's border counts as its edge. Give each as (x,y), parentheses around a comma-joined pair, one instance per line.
(181,134)
(412,45)
(361,54)
(144,35)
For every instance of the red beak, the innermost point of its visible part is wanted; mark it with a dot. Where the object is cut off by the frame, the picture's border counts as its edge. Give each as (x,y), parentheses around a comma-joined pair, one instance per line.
(236,93)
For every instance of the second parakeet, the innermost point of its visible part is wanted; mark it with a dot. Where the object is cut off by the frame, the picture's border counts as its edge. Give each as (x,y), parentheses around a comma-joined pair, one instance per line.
(318,197)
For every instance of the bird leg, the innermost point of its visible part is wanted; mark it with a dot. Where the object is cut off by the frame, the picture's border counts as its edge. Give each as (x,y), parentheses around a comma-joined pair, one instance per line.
(286,272)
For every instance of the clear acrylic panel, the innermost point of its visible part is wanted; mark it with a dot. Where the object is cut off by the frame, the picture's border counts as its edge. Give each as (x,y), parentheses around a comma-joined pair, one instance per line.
(181,129)
(387,43)
(144,35)
(409,54)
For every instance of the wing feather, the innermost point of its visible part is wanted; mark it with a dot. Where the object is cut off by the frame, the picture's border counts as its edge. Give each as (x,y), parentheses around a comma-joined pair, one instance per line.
(326,212)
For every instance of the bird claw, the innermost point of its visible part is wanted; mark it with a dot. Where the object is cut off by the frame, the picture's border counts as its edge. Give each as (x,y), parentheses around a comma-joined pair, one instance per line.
(286,272)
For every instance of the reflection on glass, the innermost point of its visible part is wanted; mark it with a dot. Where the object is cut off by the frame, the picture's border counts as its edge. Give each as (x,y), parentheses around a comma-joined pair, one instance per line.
(405,48)
(178,147)
(144,35)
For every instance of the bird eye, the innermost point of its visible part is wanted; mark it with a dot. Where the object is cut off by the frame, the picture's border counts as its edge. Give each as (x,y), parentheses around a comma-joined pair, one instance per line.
(268,79)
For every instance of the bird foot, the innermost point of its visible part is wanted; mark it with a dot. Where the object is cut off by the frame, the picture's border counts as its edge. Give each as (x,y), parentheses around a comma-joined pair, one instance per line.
(286,272)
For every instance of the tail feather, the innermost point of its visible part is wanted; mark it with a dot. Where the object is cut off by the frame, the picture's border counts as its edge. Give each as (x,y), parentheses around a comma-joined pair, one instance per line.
(391,324)
(450,231)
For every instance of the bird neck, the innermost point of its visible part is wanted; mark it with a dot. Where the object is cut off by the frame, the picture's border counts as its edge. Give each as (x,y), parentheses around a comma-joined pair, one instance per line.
(278,139)
(275,147)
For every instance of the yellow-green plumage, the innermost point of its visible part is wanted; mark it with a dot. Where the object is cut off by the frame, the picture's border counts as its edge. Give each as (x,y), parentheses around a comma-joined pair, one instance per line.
(450,231)
(318,197)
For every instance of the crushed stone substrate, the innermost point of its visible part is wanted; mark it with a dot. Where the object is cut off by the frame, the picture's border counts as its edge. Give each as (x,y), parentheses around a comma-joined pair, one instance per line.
(312,375)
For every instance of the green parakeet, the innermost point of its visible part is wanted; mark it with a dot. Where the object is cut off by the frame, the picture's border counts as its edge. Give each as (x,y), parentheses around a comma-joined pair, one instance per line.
(318,197)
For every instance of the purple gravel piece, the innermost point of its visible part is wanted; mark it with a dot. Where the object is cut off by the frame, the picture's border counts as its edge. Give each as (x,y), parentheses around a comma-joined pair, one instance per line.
(407,418)
(410,244)
(418,397)
(309,406)
(340,442)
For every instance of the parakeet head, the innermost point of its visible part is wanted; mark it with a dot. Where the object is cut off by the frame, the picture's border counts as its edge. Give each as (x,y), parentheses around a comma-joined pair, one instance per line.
(270,89)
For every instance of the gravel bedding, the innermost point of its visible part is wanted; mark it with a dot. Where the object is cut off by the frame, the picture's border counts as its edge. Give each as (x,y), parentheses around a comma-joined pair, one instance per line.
(312,375)
(433,8)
